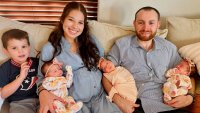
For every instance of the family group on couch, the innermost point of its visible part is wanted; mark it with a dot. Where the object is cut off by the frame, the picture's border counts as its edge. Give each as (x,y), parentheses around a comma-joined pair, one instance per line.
(146,56)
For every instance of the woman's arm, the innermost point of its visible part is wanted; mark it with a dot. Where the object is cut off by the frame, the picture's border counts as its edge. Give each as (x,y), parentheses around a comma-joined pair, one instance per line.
(46,98)
(184,100)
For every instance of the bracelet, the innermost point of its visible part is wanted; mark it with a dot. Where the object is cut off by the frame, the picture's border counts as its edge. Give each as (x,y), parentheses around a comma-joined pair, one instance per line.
(193,96)
(41,91)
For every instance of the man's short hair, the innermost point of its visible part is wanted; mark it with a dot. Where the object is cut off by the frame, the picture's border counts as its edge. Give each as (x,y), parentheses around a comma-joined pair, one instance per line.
(148,8)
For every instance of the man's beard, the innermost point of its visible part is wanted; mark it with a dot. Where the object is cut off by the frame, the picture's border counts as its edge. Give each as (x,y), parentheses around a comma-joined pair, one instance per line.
(142,38)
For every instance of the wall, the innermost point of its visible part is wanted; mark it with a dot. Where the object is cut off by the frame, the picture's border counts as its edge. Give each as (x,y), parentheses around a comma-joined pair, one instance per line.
(121,12)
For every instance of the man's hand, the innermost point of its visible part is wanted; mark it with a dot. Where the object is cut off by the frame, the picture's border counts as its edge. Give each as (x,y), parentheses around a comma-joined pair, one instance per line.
(180,101)
(124,105)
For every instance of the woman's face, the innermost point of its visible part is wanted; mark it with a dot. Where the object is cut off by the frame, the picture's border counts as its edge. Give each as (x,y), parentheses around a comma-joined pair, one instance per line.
(73,24)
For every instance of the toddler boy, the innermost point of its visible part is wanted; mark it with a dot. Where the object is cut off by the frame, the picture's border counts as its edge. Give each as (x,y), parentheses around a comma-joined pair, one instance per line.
(19,73)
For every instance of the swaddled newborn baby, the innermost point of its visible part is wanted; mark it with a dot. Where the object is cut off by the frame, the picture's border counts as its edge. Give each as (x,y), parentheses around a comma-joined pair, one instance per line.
(58,84)
(121,79)
(178,80)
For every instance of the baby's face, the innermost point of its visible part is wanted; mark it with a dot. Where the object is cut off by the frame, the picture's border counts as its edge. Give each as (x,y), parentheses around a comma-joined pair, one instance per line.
(183,68)
(54,71)
(107,66)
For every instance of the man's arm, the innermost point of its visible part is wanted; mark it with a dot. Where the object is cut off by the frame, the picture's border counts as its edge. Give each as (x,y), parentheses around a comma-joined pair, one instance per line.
(183,100)
(124,105)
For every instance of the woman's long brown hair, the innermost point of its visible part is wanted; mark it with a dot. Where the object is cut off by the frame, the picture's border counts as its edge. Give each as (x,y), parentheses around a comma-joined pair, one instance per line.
(87,48)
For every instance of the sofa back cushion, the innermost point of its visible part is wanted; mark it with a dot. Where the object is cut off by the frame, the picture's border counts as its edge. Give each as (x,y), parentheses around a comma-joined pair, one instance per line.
(108,33)
(183,31)
(38,34)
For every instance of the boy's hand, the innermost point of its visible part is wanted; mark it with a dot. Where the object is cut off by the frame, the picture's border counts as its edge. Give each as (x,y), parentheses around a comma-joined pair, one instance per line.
(24,70)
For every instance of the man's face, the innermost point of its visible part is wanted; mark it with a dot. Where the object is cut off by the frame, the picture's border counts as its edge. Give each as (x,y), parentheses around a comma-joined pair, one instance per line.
(146,24)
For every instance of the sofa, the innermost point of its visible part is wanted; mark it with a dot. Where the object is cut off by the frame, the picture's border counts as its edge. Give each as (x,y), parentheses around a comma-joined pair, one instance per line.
(183,32)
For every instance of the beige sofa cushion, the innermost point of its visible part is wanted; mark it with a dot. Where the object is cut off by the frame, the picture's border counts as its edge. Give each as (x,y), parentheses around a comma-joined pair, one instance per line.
(108,33)
(38,34)
(192,52)
(105,33)
(183,31)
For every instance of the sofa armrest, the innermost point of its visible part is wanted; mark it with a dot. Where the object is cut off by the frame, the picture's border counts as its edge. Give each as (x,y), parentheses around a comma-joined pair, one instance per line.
(193,86)
(5,107)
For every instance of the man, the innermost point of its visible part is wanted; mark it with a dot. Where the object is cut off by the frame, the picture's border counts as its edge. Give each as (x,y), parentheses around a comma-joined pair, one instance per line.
(147,57)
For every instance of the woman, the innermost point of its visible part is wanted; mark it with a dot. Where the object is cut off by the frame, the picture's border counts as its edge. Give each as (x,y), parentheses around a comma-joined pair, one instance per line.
(71,44)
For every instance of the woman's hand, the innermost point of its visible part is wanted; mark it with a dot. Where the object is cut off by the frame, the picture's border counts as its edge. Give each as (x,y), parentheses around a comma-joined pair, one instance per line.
(124,105)
(180,101)
(46,101)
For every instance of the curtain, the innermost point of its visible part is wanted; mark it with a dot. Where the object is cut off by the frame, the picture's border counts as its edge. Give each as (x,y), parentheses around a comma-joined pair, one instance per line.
(45,12)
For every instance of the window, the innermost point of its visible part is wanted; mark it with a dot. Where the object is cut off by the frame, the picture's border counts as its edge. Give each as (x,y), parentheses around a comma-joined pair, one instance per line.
(45,12)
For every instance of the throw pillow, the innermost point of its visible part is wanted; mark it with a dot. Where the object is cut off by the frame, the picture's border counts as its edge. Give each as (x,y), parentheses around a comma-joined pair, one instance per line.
(183,31)
(192,52)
